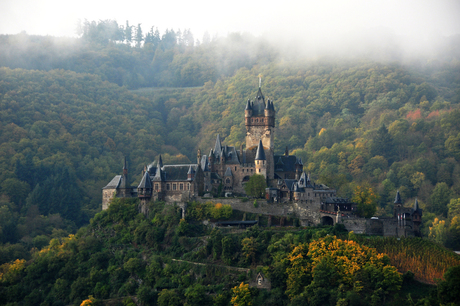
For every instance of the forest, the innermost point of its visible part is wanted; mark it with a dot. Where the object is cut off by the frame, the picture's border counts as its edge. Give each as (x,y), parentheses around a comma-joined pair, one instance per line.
(72,108)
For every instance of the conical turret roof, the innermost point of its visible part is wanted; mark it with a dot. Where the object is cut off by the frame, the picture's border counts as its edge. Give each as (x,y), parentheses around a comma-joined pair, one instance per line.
(228,172)
(248,105)
(260,154)
(218,145)
(160,162)
(145,183)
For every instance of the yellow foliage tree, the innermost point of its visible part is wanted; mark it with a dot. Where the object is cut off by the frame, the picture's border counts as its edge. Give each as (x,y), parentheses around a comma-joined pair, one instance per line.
(241,296)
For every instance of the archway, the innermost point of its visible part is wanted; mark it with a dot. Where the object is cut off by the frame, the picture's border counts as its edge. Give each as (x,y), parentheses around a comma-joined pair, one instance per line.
(326,220)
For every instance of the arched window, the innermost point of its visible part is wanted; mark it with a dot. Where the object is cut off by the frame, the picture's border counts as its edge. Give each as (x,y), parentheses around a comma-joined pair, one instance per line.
(227,181)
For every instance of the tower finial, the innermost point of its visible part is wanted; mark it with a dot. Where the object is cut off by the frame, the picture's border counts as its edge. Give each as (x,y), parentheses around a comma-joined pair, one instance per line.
(260,80)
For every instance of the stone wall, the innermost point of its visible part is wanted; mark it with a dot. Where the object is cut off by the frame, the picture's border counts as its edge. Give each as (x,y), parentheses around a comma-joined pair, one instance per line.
(356,225)
(307,213)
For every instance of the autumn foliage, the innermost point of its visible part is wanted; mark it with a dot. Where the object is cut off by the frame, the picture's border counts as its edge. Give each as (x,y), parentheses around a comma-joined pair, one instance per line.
(339,263)
(428,261)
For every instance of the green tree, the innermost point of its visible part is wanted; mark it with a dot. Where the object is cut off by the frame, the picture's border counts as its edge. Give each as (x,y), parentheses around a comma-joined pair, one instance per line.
(449,288)
(196,295)
(255,187)
(439,199)
(168,298)
(366,199)
(139,36)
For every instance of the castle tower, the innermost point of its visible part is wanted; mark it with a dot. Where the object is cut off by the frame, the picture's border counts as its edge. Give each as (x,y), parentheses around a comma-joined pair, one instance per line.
(144,192)
(416,218)
(260,126)
(260,160)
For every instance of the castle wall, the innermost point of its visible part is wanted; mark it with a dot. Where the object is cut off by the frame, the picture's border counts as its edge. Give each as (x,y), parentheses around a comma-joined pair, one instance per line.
(356,225)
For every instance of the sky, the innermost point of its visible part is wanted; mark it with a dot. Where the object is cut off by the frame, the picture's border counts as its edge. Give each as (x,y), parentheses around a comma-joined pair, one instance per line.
(315,21)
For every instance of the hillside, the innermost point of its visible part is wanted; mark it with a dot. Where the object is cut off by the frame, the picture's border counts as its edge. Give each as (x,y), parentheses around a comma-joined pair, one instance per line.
(162,260)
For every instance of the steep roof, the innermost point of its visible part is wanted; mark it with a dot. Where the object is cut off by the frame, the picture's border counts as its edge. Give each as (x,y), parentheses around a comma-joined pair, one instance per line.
(218,145)
(258,105)
(416,208)
(337,200)
(114,183)
(285,163)
(177,172)
(228,172)
(260,154)
(248,105)
(146,182)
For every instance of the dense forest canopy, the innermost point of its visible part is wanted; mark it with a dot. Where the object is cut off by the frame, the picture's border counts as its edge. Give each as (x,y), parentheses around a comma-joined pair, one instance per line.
(72,108)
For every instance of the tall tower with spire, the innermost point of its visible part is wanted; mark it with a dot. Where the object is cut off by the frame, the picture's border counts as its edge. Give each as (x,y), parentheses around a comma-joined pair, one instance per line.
(260,126)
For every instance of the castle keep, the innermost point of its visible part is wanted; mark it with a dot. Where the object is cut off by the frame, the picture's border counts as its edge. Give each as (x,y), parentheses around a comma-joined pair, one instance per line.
(227,169)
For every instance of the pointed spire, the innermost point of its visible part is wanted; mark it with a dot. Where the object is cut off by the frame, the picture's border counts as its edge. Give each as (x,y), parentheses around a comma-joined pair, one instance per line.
(228,172)
(260,153)
(218,145)
(248,105)
(268,105)
(145,183)
(191,170)
(398,198)
(296,187)
(158,175)
(416,207)
(160,163)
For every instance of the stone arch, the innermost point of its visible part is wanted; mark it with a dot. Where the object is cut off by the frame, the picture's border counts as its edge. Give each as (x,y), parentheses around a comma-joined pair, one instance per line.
(326,220)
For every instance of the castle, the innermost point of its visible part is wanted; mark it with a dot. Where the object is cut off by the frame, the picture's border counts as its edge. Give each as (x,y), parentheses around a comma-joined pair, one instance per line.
(227,169)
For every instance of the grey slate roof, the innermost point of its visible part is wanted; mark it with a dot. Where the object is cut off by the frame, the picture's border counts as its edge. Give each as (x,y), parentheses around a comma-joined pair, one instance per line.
(260,154)
(337,200)
(160,162)
(285,163)
(114,183)
(416,208)
(258,105)
(205,163)
(290,184)
(228,172)
(177,172)
(146,181)
(218,146)
(248,105)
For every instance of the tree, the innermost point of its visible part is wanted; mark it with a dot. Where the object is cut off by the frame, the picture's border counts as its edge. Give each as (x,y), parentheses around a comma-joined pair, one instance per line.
(382,144)
(241,296)
(139,36)
(366,199)
(255,187)
(439,199)
(128,33)
(449,289)
(168,298)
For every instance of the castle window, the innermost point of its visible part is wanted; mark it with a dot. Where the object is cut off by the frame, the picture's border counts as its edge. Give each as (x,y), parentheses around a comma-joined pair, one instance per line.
(261,120)
(251,170)
(181,187)
(188,186)
(174,186)
(227,181)
(167,186)
(259,170)
(257,120)
(235,168)
(156,186)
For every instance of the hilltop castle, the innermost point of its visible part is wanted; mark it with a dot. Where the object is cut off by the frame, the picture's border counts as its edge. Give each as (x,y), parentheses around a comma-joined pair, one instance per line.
(227,169)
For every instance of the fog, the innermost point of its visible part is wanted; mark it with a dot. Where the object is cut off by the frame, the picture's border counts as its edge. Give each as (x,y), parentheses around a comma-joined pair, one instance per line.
(355,27)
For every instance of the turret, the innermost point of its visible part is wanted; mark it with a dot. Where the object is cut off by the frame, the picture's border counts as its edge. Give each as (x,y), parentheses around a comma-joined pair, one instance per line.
(296,192)
(261,160)
(416,218)
(144,190)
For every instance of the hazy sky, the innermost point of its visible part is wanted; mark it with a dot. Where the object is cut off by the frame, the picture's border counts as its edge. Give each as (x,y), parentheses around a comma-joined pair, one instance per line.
(319,18)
